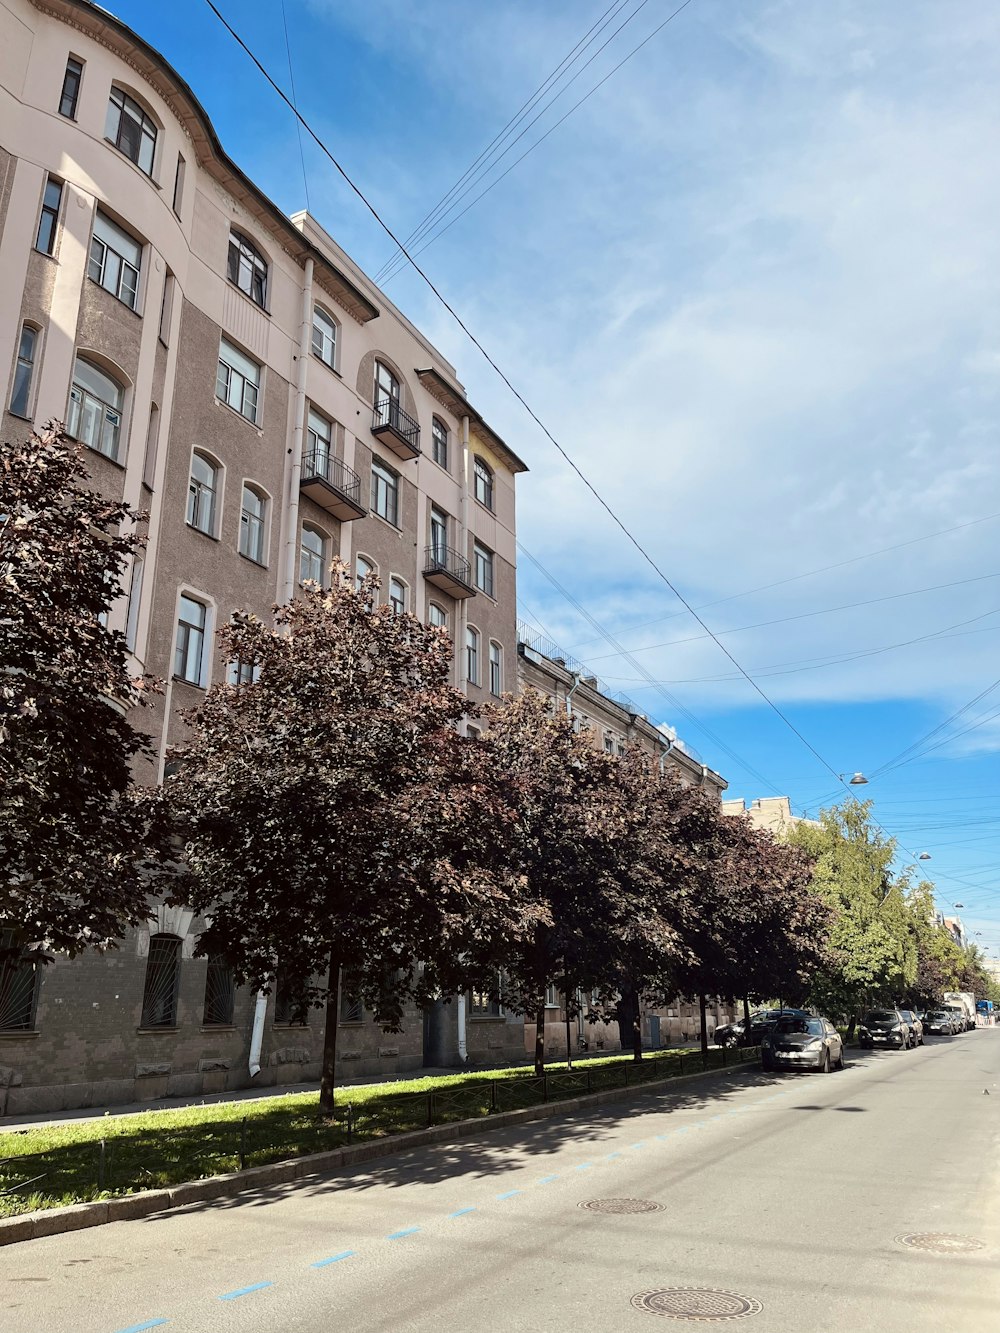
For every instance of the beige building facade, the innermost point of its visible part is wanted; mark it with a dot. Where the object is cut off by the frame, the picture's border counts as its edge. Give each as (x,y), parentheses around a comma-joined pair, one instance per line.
(233,374)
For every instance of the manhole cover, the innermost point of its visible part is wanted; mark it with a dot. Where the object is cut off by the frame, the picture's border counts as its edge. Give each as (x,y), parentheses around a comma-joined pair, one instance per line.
(622,1206)
(700,1304)
(940,1242)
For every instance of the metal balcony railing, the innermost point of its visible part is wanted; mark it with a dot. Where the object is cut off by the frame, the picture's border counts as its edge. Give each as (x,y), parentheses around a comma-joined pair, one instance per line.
(332,484)
(449,570)
(389,418)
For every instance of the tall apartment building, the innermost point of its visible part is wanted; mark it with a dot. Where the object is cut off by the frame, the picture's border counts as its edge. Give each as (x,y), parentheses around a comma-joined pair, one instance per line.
(231,371)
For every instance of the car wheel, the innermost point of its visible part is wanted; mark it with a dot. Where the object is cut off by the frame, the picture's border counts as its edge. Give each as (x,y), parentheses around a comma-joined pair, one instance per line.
(825,1066)
(841,1063)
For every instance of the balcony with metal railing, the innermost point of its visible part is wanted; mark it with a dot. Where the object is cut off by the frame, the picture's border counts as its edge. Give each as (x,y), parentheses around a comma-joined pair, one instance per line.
(395,428)
(448,570)
(332,485)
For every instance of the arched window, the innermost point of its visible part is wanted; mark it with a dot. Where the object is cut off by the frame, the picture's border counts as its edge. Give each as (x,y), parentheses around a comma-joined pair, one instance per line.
(203,494)
(312,556)
(163,975)
(437,616)
(95,409)
(472,655)
(253,525)
(247,268)
(20,978)
(320,451)
(220,993)
(386,390)
(439,437)
(397,595)
(484,482)
(24,370)
(189,652)
(324,337)
(363,569)
(496,669)
(131,130)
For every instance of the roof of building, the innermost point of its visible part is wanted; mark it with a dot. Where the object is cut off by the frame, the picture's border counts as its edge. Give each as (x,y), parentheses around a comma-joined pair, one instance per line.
(454,399)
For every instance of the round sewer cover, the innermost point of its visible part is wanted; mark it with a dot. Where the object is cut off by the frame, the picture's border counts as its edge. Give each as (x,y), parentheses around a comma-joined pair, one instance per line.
(621,1206)
(703,1305)
(940,1242)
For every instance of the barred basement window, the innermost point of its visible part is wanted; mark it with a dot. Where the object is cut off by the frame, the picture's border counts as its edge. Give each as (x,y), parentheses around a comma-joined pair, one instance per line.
(163,975)
(20,977)
(220,993)
(350,1008)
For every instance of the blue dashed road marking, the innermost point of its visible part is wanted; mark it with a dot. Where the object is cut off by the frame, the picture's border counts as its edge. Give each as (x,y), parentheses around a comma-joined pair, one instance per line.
(462,1211)
(333,1259)
(406,1231)
(509,1194)
(138,1328)
(612,1154)
(641,1144)
(584,1166)
(245,1291)
(545,1179)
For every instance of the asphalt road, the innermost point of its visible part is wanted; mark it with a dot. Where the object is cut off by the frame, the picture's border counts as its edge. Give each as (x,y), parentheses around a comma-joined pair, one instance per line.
(789,1190)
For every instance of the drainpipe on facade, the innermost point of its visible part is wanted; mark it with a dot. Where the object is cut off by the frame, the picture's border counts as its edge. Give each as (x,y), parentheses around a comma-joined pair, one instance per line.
(463,1050)
(257,1032)
(298,428)
(462,545)
(663,755)
(577,679)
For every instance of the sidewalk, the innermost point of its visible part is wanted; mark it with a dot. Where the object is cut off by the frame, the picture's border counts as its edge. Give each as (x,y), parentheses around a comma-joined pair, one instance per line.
(15,1122)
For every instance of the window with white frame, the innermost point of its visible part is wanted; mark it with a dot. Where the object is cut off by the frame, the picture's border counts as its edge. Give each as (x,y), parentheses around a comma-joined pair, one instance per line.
(472,655)
(179,172)
(115,260)
(496,669)
(24,369)
(131,130)
(397,595)
(439,442)
(484,999)
(437,616)
(48,218)
(320,441)
(241,672)
(253,525)
(385,493)
(363,569)
(237,381)
(473,732)
(203,494)
(609,744)
(439,534)
(324,337)
(95,409)
(247,268)
(483,568)
(552,998)
(134,598)
(312,556)
(483,482)
(189,653)
(387,390)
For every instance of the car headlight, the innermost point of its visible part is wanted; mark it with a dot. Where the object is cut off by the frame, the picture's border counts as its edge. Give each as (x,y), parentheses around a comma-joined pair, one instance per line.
(813,1045)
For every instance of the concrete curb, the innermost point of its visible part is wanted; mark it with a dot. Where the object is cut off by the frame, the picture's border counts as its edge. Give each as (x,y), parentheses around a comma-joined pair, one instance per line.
(128,1207)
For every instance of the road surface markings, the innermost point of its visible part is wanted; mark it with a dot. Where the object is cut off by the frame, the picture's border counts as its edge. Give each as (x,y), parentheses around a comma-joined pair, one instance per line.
(138,1328)
(406,1231)
(584,1166)
(641,1144)
(612,1154)
(462,1211)
(509,1194)
(245,1291)
(545,1179)
(333,1259)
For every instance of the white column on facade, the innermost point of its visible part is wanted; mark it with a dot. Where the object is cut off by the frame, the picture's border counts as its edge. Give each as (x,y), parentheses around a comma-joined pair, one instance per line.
(462,545)
(290,570)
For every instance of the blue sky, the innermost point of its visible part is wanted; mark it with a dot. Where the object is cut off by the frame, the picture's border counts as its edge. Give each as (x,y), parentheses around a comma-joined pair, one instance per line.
(753,286)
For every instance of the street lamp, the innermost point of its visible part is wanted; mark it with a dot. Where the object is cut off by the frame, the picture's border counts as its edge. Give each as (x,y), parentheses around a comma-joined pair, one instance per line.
(924,856)
(858,780)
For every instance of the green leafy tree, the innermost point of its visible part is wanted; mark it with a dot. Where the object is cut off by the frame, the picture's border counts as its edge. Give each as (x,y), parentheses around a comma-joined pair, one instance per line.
(72,834)
(325,806)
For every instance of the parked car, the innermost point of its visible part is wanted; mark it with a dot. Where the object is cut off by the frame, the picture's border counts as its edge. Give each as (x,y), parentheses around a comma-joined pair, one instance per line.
(916,1026)
(883,1027)
(939,1022)
(802,1042)
(731,1034)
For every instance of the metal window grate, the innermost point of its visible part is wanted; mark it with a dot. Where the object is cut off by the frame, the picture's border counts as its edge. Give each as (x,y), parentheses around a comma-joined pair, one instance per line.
(19,979)
(163,974)
(220,993)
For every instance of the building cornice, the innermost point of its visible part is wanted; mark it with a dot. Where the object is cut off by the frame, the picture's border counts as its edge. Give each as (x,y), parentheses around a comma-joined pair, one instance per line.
(452,397)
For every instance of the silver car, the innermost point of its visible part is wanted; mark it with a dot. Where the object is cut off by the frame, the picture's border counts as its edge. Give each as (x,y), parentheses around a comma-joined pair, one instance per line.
(802,1043)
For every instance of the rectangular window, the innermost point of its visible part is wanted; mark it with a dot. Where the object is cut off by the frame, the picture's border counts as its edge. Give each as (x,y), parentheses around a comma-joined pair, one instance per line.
(437,616)
(49,219)
(20,398)
(134,598)
(385,493)
(220,993)
(238,381)
(289,1005)
(484,999)
(483,569)
(552,998)
(178,185)
(71,88)
(166,308)
(324,337)
(115,260)
(253,522)
(439,436)
(242,673)
(190,651)
(397,595)
(130,130)
(312,556)
(320,450)
(439,534)
(496,669)
(472,656)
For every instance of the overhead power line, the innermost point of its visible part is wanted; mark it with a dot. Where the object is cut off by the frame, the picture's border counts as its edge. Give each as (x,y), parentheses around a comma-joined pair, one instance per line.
(618,522)
(564,65)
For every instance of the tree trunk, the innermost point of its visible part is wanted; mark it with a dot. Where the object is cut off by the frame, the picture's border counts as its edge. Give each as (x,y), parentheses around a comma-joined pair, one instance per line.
(540,1039)
(329,1074)
(747,1024)
(851,1026)
(703,1012)
(636,1026)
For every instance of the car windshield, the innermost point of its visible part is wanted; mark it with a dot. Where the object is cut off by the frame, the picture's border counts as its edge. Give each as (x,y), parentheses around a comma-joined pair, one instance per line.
(939,1014)
(810,1025)
(880,1016)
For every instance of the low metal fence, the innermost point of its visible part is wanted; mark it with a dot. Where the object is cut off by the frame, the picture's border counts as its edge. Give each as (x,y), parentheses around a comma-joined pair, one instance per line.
(155,1158)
